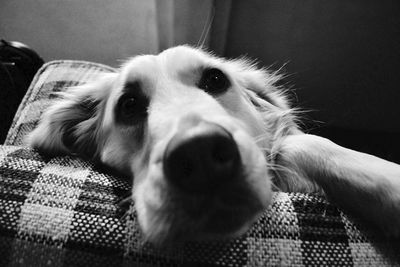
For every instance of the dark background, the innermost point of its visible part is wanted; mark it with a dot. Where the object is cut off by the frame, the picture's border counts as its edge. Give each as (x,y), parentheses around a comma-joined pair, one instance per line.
(343,61)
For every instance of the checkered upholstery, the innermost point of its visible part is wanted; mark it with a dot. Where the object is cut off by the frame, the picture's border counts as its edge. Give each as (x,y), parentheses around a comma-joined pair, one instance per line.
(63,211)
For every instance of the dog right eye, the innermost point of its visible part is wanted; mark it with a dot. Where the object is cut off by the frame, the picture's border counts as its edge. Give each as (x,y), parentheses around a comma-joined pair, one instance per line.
(128,106)
(131,109)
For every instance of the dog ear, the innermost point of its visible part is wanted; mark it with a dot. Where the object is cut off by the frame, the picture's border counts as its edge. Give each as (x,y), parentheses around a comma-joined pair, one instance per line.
(261,89)
(262,86)
(72,124)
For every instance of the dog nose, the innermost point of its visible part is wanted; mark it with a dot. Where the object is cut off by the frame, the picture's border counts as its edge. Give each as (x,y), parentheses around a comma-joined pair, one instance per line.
(201,158)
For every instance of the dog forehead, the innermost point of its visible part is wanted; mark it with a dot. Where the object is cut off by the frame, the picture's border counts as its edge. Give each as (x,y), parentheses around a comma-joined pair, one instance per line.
(185,57)
(139,68)
(170,62)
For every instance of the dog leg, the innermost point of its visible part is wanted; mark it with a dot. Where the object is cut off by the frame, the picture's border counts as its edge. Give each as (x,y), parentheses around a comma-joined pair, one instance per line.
(363,185)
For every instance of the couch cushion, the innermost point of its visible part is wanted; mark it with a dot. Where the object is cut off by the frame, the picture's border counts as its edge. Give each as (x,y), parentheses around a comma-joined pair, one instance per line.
(53,77)
(64,212)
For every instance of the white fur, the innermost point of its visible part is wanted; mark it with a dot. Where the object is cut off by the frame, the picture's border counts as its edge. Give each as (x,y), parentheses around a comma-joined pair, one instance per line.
(253,110)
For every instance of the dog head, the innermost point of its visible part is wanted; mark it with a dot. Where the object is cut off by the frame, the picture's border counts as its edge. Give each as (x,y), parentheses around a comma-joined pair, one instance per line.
(193,130)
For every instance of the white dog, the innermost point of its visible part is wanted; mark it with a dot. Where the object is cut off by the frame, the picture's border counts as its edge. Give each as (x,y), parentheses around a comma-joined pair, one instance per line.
(205,139)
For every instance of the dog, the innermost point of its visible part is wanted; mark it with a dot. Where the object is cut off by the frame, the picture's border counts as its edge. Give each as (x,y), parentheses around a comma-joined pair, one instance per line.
(206,140)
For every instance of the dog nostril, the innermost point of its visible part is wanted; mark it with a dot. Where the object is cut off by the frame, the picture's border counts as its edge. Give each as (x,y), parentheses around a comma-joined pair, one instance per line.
(201,158)
(224,151)
(187,167)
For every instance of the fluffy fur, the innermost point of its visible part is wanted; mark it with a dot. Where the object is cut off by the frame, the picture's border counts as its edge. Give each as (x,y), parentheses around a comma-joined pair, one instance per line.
(85,121)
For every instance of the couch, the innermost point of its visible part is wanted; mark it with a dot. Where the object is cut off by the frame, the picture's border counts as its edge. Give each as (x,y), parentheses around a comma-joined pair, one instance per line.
(63,211)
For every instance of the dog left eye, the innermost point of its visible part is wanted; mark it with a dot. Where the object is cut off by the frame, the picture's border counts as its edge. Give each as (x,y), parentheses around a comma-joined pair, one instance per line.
(214,81)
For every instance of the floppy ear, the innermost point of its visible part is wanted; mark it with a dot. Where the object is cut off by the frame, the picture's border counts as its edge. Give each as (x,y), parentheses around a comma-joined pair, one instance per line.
(72,124)
(270,100)
(261,84)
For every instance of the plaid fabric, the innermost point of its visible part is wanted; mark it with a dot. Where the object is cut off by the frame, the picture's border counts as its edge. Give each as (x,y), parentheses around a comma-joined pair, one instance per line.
(51,78)
(63,211)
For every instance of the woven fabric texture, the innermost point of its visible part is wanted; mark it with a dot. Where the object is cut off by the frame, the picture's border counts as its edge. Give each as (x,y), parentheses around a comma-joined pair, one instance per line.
(64,212)
(53,77)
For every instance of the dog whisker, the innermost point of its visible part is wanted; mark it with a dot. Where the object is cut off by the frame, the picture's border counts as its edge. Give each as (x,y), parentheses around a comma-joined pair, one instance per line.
(124,216)
(260,138)
(125,202)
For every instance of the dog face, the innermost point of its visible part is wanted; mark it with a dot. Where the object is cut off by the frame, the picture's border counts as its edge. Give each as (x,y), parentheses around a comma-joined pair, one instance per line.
(193,130)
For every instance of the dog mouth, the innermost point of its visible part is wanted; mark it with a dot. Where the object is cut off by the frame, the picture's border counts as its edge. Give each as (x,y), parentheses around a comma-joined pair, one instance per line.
(224,214)
(206,188)
(199,217)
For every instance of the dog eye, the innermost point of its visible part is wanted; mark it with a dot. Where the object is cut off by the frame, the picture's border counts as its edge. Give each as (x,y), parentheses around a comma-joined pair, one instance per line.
(132,109)
(214,81)
(128,106)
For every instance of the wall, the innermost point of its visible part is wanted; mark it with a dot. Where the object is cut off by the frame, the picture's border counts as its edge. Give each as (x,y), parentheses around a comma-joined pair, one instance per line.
(343,57)
(96,30)
(101,30)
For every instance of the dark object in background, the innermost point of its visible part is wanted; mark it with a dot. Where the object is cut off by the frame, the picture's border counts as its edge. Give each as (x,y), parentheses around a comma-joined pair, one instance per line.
(18,65)
(378,143)
(343,60)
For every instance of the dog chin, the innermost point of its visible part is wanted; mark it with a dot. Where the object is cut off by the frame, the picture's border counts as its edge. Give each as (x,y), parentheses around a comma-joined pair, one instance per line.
(201,224)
